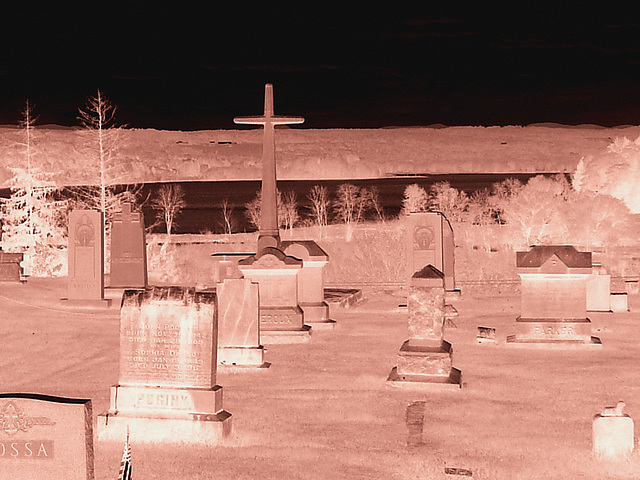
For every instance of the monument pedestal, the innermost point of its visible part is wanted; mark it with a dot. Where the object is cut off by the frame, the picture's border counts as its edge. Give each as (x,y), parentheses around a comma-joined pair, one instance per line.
(242,357)
(165,415)
(283,325)
(317,315)
(545,331)
(426,364)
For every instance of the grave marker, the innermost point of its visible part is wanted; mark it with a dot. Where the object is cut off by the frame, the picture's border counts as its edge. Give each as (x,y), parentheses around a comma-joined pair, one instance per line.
(10,267)
(86,258)
(44,437)
(613,433)
(128,249)
(167,390)
(424,360)
(553,297)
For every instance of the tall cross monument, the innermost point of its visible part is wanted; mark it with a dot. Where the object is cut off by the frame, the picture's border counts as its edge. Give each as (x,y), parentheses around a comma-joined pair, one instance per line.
(269,235)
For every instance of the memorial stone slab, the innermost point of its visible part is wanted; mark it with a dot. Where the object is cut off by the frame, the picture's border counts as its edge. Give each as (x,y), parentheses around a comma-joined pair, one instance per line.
(430,242)
(425,358)
(613,434)
(239,323)
(167,390)
(44,437)
(311,281)
(128,249)
(553,297)
(86,258)
(281,318)
(599,291)
(10,266)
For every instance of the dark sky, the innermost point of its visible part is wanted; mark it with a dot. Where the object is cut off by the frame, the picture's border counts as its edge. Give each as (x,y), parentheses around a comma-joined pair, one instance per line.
(189,67)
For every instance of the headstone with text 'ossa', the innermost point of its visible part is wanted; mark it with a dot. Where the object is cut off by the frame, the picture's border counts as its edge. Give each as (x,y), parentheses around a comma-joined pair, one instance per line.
(167,390)
(44,437)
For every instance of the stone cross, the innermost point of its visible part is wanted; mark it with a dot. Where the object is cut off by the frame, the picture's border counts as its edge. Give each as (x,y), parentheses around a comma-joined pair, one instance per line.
(269,235)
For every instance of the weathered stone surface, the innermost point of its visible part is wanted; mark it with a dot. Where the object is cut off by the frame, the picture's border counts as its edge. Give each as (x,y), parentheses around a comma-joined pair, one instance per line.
(44,437)
(128,249)
(613,435)
(426,313)
(86,255)
(430,242)
(599,292)
(421,360)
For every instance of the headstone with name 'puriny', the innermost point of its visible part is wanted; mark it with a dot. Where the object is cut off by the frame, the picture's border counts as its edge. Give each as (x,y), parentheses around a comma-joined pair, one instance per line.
(44,437)
(86,257)
(128,249)
(167,390)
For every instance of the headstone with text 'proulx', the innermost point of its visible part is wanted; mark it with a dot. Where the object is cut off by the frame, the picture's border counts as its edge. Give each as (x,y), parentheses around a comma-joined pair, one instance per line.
(86,257)
(128,249)
(45,438)
(167,388)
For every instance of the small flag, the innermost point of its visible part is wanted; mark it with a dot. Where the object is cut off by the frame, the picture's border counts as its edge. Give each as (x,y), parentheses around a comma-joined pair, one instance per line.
(125,465)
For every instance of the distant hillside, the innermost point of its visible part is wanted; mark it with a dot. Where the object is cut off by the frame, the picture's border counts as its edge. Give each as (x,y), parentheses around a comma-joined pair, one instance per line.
(147,155)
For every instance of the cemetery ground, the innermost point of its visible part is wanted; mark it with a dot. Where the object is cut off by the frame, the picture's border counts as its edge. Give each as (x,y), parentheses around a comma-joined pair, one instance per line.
(324,410)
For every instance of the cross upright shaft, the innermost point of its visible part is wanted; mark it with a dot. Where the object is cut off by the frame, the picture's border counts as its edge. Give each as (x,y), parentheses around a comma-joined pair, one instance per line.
(269,235)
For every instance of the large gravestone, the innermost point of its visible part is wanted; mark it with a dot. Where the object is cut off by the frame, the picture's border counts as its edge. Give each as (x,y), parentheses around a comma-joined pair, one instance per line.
(553,297)
(311,281)
(44,438)
(11,266)
(167,390)
(86,258)
(281,319)
(128,249)
(430,242)
(239,323)
(424,360)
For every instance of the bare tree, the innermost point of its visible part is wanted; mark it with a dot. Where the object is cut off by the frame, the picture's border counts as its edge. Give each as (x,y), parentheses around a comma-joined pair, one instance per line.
(350,204)
(31,216)
(227,219)
(415,199)
(376,204)
(319,206)
(290,215)
(169,201)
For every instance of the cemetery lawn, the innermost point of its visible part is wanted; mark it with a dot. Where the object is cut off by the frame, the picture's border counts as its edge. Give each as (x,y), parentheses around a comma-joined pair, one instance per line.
(324,411)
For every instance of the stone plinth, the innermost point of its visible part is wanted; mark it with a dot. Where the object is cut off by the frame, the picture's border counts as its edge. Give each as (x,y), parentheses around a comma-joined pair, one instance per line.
(311,281)
(86,259)
(553,297)
(167,388)
(613,434)
(44,437)
(10,267)
(425,359)
(430,242)
(281,318)
(128,249)
(239,323)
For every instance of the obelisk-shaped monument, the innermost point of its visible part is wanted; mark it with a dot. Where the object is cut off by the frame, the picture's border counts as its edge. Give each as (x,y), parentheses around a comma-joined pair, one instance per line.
(269,235)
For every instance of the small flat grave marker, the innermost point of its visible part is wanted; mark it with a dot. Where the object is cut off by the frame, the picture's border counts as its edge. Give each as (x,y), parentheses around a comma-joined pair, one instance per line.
(486,335)
(415,423)
(44,437)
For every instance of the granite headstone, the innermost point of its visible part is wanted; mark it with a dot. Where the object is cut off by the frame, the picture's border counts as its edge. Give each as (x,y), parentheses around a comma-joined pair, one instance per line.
(128,249)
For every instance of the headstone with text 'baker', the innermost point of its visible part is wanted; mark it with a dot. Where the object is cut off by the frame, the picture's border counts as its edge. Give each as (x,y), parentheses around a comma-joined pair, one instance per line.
(44,437)
(167,390)
(86,258)
(128,249)
(553,297)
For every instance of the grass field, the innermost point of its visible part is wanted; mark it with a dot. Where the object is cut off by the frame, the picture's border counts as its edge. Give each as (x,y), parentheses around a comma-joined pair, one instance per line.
(324,410)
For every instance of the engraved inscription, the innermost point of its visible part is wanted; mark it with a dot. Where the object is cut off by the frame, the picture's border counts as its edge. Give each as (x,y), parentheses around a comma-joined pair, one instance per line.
(28,449)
